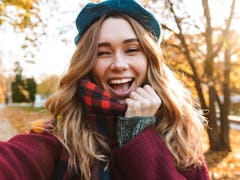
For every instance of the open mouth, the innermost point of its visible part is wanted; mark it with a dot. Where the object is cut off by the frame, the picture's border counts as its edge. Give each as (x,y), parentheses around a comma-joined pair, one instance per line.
(121,87)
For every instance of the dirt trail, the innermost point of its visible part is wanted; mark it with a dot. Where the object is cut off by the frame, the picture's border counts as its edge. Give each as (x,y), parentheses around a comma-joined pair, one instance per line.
(6,129)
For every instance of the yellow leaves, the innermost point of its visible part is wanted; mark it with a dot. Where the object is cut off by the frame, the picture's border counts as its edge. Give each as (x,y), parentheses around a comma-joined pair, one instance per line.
(227,168)
(37,126)
(24,4)
(23,120)
(235,77)
(19,13)
(48,85)
(223,164)
(3,88)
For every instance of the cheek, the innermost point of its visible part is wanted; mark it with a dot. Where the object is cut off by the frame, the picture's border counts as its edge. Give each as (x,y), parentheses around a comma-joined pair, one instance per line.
(141,68)
(98,72)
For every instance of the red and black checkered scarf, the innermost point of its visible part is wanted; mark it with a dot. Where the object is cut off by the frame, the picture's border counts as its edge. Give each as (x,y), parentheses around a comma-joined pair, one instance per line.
(101,112)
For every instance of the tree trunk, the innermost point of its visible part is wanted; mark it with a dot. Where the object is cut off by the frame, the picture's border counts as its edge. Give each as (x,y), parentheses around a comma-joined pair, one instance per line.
(224,110)
(225,127)
(213,133)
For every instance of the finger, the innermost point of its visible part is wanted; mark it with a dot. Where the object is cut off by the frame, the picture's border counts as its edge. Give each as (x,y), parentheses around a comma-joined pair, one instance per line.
(143,93)
(135,96)
(131,103)
(132,108)
(151,92)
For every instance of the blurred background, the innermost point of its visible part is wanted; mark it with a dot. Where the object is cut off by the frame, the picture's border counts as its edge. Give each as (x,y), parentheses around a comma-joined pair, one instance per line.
(201,43)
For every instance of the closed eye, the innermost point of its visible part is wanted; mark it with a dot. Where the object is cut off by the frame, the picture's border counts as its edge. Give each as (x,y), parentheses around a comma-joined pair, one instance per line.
(132,51)
(103,53)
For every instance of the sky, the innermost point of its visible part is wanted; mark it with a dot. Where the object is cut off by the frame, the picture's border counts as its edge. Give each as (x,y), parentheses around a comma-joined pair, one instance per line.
(53,55)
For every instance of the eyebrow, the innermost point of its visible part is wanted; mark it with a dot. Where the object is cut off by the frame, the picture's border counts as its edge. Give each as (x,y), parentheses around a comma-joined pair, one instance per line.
(106,44)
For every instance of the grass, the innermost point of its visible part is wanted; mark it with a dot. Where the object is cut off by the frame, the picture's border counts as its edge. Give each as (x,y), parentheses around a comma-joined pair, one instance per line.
(31,108)
(235,109)
(222,165)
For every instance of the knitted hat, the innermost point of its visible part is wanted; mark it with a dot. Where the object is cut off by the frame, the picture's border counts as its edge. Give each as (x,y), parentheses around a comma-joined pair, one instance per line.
(94,11)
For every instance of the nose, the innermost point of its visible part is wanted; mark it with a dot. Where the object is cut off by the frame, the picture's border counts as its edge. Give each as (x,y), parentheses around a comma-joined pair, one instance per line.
(119,63)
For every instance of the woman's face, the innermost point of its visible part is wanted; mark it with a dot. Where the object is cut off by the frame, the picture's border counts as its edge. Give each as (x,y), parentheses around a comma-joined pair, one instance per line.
(121,63)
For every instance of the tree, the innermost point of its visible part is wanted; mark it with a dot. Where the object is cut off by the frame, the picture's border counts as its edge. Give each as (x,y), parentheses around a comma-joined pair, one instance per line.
(202,52)
(3,88)
(19,93)
(25,11)
(24,17)
(3,84)
(23,90)
(230,48)
(31,87)
(48,85)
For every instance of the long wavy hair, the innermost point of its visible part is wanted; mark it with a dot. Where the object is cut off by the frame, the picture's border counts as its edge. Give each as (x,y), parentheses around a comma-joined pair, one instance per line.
(180,126)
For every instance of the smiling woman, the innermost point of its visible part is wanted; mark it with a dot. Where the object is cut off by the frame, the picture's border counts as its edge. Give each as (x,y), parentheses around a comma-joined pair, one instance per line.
(121,64)
(118,112)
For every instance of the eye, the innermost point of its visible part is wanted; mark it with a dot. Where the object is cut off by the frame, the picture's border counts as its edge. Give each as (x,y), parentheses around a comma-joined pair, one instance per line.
(132,51)
(103,53)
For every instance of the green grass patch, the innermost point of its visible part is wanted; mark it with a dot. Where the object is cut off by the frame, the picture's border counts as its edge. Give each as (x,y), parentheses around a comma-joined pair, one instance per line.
(31,108)
(235,109)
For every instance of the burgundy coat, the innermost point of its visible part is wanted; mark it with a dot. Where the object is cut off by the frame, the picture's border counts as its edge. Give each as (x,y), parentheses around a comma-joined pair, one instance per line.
(36,156)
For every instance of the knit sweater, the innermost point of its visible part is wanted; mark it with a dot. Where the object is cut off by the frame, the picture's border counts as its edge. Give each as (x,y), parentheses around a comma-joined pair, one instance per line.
(36,156)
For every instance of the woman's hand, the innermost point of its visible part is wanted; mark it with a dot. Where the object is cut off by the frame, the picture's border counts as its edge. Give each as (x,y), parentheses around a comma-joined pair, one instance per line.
(143,102)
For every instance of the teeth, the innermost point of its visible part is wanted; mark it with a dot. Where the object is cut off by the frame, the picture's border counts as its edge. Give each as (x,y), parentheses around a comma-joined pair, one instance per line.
(120,81)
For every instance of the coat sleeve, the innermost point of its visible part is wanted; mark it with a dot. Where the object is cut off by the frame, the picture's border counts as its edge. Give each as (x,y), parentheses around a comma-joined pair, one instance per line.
(147,157)
(30,156)
(199,173)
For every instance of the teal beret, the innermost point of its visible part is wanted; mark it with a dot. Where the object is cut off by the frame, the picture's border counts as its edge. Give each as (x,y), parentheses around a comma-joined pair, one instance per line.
(94,11)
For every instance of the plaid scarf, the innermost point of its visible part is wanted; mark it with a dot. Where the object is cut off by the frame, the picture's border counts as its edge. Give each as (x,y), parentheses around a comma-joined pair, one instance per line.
(101,111)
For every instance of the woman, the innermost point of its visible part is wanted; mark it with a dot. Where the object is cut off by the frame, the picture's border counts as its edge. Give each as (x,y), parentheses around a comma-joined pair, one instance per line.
(119,111)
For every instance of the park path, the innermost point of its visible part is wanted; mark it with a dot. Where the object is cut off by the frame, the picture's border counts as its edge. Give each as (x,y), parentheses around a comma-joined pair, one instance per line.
(234,122)
(6,129)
